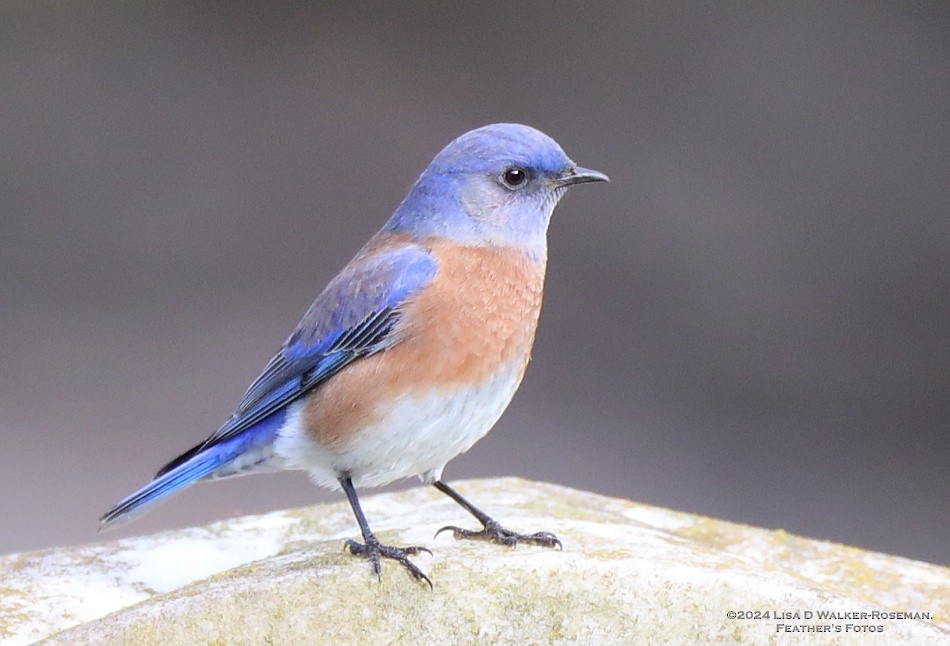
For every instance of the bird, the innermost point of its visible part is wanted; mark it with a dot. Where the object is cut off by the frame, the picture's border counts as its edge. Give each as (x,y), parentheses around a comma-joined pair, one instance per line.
(413,351)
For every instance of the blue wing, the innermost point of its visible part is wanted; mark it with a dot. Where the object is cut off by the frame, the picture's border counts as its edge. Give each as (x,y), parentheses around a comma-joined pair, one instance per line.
(352,318)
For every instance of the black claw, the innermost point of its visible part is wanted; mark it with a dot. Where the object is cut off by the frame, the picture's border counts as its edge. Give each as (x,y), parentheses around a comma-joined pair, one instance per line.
(495,533)
(455,531)
(372,550)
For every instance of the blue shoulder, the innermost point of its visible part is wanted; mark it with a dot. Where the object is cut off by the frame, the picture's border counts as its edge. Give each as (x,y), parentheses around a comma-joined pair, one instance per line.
(367,286)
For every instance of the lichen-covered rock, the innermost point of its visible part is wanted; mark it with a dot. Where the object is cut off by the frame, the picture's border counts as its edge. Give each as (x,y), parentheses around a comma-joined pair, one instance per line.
(628,573)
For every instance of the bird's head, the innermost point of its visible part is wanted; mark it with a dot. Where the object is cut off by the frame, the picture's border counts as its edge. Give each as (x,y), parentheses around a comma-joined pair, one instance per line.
(496,185)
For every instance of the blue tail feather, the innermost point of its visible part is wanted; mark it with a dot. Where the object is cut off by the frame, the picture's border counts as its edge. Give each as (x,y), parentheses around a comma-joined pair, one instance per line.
(207,461)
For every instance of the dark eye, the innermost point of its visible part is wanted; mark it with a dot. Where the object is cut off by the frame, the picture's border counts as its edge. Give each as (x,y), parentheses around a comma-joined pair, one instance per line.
(514,177)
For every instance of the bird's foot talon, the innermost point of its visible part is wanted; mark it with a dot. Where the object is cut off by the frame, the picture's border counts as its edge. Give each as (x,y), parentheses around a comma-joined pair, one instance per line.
(495,533)
(373,550)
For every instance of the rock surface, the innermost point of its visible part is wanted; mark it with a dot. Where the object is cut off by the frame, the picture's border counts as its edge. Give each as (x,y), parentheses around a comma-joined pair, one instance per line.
(629,573)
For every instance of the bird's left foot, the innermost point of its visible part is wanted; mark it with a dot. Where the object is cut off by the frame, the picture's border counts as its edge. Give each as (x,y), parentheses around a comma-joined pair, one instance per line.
(495,533)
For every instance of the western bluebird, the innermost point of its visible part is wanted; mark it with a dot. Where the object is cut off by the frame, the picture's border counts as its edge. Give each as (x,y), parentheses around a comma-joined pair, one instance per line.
(412,353)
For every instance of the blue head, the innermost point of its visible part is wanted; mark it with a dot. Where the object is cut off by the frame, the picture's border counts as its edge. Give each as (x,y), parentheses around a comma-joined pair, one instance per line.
(496,185)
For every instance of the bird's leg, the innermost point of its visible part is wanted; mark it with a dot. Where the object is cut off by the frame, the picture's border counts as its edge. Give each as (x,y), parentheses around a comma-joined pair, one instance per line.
(372,549)
(491,530)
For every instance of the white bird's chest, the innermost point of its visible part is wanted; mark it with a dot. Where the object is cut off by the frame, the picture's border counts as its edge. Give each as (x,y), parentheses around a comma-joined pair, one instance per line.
(416,434)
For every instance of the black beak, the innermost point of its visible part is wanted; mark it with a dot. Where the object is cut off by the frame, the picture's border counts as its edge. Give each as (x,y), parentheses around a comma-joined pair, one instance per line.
(578,175)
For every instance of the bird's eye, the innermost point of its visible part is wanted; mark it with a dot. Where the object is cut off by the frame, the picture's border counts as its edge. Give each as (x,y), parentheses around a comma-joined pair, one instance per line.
(514,177)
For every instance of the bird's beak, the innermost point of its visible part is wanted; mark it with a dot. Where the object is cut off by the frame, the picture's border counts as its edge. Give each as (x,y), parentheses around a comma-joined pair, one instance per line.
(578,175)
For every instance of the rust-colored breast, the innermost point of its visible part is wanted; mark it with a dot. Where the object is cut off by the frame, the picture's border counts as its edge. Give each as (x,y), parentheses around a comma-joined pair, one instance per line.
(478,314)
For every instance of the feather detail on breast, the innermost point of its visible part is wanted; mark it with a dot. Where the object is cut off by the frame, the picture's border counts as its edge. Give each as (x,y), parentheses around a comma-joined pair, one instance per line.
(479,312)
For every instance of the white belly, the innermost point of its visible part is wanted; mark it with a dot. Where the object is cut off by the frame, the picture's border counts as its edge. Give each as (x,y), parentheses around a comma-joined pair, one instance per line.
(417,435)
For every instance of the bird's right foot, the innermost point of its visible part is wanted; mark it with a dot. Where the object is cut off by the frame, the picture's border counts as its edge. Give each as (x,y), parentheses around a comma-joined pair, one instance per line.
(372,550)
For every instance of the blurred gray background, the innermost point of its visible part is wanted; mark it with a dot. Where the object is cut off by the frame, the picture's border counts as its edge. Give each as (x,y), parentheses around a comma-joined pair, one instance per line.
(751,321)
